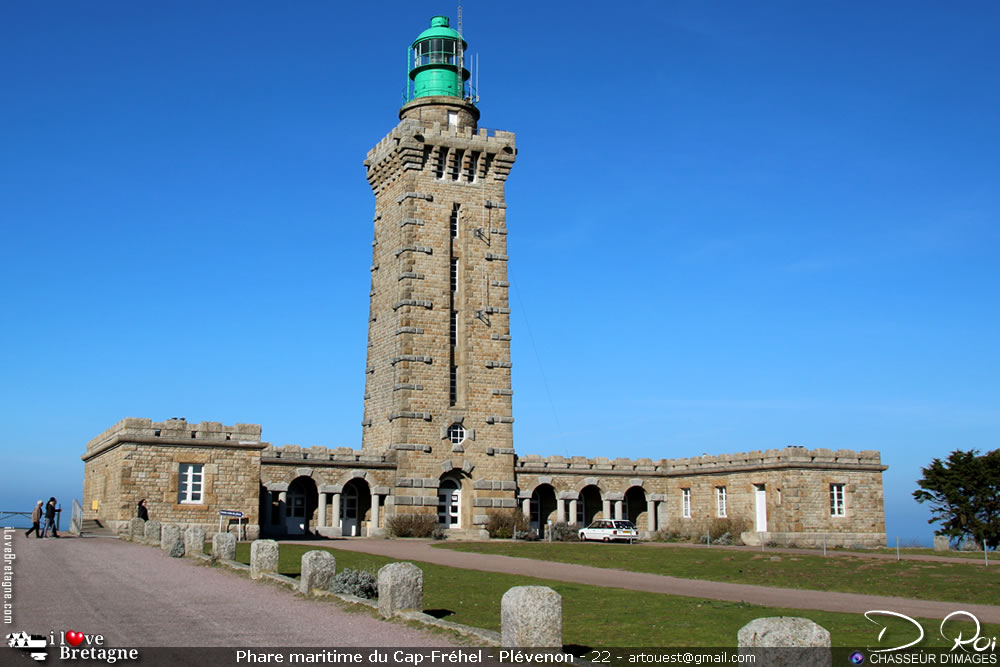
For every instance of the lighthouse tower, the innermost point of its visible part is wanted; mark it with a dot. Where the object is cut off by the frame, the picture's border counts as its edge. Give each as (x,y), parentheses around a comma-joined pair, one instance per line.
(438,393)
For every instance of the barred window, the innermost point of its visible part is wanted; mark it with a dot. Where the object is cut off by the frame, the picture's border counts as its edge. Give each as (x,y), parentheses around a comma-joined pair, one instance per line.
(686,503)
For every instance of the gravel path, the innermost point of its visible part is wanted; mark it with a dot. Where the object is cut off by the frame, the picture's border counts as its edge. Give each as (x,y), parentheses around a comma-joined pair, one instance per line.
(137,596)
(773,597)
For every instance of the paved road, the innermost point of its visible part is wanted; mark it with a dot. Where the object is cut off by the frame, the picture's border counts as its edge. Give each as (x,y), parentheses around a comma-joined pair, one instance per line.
(137,596)
(773,597)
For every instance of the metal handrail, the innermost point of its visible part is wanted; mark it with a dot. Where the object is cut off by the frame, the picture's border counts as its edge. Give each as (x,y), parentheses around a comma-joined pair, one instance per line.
(27,515)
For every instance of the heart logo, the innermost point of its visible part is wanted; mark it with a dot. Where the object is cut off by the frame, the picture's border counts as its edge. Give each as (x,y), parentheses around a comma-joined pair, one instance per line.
(74,638)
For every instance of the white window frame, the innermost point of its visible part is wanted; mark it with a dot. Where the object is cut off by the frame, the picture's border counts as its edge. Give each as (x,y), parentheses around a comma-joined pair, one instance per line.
(686,503)
(720,502)
(838,500)
(189,474)
(457,434)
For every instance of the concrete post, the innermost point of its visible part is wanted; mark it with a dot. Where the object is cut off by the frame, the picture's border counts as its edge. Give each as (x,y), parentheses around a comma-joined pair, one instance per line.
(531,617)
(651,515)
(606,509)
(560,510)
(526,508)
(321,511)
(282,495)
(618,509)
(572,511)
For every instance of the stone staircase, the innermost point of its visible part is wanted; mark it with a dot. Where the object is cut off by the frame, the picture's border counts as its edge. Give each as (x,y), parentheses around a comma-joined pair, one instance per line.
(94,528)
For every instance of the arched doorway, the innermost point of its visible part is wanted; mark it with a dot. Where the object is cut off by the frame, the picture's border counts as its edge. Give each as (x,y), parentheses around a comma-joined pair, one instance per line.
(355,503)
(589,505)
(543,507)
(449,507)
(635,505)
(300,503)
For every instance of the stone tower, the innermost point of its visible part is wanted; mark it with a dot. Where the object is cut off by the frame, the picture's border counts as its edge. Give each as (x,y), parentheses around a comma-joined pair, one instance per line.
(438,385)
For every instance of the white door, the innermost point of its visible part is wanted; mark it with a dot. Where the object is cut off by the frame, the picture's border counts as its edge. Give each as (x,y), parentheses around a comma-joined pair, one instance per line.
(295,512)
(449,504)
(349,512)
(760,525)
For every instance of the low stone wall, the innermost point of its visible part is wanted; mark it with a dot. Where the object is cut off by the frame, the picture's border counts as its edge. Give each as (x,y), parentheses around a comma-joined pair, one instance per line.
(816,540)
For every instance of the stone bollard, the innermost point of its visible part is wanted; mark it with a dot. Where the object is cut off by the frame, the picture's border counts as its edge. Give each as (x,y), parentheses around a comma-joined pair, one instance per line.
(263,558)
(136,529)
(224,546)
(942,543)
(786,641)
(151,532)
(318,568)
(400,586)
(531,616)
(194,540)
(169,535)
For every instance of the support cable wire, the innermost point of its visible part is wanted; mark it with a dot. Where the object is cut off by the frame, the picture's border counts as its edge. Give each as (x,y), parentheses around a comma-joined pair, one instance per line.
(541,368)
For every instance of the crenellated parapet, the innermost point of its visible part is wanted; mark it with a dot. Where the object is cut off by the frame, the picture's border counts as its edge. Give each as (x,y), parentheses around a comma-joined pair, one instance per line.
(789,457)
(175,432)
(413,145)
(318,455)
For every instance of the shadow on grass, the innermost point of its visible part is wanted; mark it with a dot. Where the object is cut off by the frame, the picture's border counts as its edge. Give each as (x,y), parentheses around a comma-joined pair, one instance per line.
(578,650)
(439,613)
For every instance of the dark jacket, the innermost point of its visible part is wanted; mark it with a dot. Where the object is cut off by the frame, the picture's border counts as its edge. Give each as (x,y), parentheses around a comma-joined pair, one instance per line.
(50,510)
(143,513)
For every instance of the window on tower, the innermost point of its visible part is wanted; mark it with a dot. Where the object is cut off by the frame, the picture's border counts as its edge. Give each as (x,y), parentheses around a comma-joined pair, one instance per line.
(442,161)
(470,175)
(436,51)
(456,433)
(454,222)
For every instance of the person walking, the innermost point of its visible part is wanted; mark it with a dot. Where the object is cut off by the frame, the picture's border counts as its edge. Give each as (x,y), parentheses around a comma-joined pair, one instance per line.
(50,518)
(36,518)
(142,512)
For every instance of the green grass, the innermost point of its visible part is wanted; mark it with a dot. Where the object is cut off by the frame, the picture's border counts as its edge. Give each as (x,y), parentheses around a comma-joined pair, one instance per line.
(922,580)
(595,617)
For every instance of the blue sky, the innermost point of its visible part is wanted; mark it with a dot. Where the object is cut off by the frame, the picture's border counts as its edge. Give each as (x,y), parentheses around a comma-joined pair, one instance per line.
(733,226)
